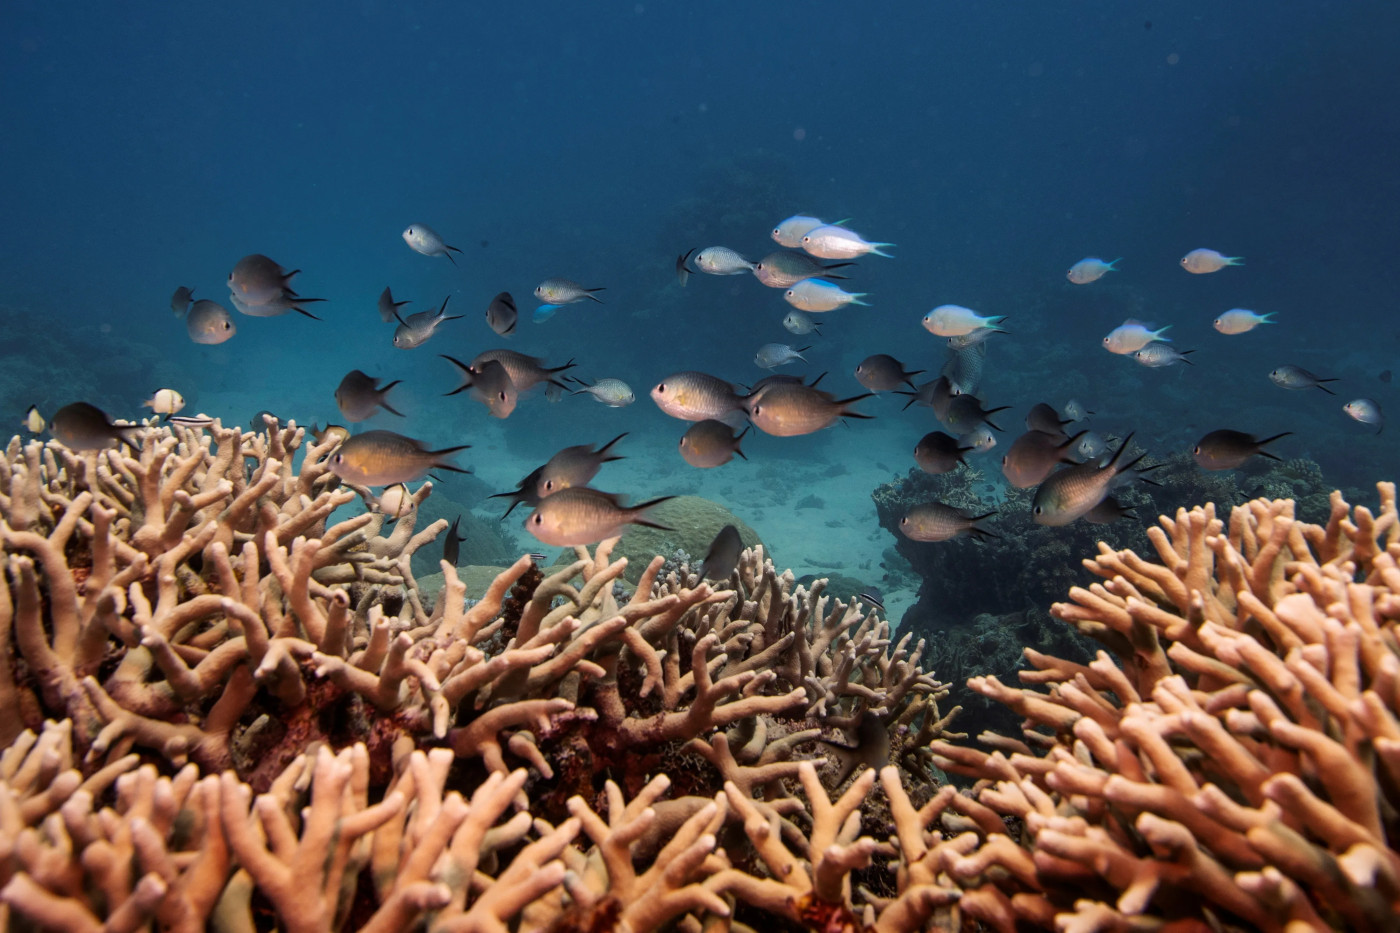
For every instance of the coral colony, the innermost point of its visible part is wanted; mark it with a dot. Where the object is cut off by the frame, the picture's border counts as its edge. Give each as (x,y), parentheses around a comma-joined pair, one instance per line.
(222,711)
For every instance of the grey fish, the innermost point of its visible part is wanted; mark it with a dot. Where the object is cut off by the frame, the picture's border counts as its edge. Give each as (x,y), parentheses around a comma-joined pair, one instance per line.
(721,260)
(1034,455)
(382,458)
(710,443)
(452,544)
(1075,410)
(526,372)
(180,301)
(695,396)
(417,329)
(1296,377)
(501,314)
(209,323)
(613,393)
(1089,446)
(722,559)
(564,292)
(965,367)
(524,493)
(1367,411)
(938,453)
(682,267)
(935,521)
(574,466)
(259,287)
(936,394)
(797,322)
(973,338)
(492,386)
(965,412)
(881,372)
(773,355)
(276,307)
(784,269)
(789,409)
(425,241)
(388,307)
(1225,449)
(1159,353)
(581,515)
(359,395)
(1107,512)
(1042,417)
(81,426)
(1073,491)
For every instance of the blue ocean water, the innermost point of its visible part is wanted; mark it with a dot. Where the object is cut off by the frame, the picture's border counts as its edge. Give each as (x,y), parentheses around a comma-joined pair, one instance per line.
(146,146)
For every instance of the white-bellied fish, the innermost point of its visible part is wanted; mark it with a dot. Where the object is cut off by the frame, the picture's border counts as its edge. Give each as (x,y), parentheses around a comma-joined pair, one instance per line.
(935,521)
(957,321)
(1159,353)
(790,232)
(821,295)
(881,372)
(1090,270)
(394,502)
(501,314)
(773,355)
(259,287)
(709,443)
(382,458)
(783,269)
(973,338)
(34,422)
(388,307)
(358,396)
(1240,321)
(721,260)
(695,396)
(209,323)
(1089,446)
(198,422)
(980,439)
(1203,261)
(613,393)
(1365,410)
(81,426)
(937,453)
(1132,335)
(165,402)
(417,329)
(581,515)
(1070,494)
(795,322)
(332,432)
(1226,449)
(789,409)
(574,466)
(1289,376)
(180,301)
(424,240)
(1075,410)
(836,242)
(564,292)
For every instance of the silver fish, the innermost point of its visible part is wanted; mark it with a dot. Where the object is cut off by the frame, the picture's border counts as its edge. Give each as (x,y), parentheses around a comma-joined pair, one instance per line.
(1075,410)
(423,239)
(382,458)
(783,269)
(358,396)
(721,260)
(790,232)
(388,307)
(695,396)
(417,329)
(580,515)
(563,292)
(501,314)
(836,242)
(683,268)
(773,355)
(574,466)
(492,386)
(209,322)
(180,301)
(965,412)
(965,367)
(1158,354)
(613,393)
(1296,377)
(797,322)
(935,521)
(1365,410)
(709,443)
(973,337)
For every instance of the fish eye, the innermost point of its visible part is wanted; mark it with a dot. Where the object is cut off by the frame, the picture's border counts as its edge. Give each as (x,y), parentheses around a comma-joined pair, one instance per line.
(661,387)
(1038,509)
(340,458)
(536,519)
(1197,450)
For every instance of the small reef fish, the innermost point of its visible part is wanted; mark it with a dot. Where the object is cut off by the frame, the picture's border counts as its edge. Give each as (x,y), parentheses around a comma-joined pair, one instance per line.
(1132,335)
(274,308)
(1090,445)
(1203,261)
(1240,321)
(1034,455)
(938,453)
(34,422)
(358,396)
(721,260)
(492,386)
(1296,377)
(388,307)
(873,597)
(332,432)
(881,372)
(574,466)
(837,242)
(259,287)
(1042,417)
(526,372)
(965,412)
(209,323)
(1225,449)
(821,295)
(582,515)
(789,409)
(524,492)
(613,393)
(957,321)
(790,232)
(1159,353)
(965,367)
(1075,410)
(709,443)
(1365,410)
(973,338)
(180,301)
(418,329)
(565,292)
(936,394)
(544,313)
(980,439)
(452,544)
(394,502)
(501,314)
(81,426)
(1073,491)
(783,269)
(165,402)
(795,322)
(198,422)
(722,559)
(695,396)
(683,268)
(1090,270)
(425,241)
(773,355)
(383,458)
(935,521)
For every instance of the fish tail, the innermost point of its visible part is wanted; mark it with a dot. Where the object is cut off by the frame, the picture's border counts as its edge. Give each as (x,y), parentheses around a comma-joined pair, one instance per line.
(747,429)
(1234,260)
(603,452)
(559,369)
(638,510)
(1271,439)
(857,296)
(1114,265)
(879,252)
(1320,385)
(588,293)
(300,310)
(1113,461)
(1184,359)
(449,255)
(1267,318)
